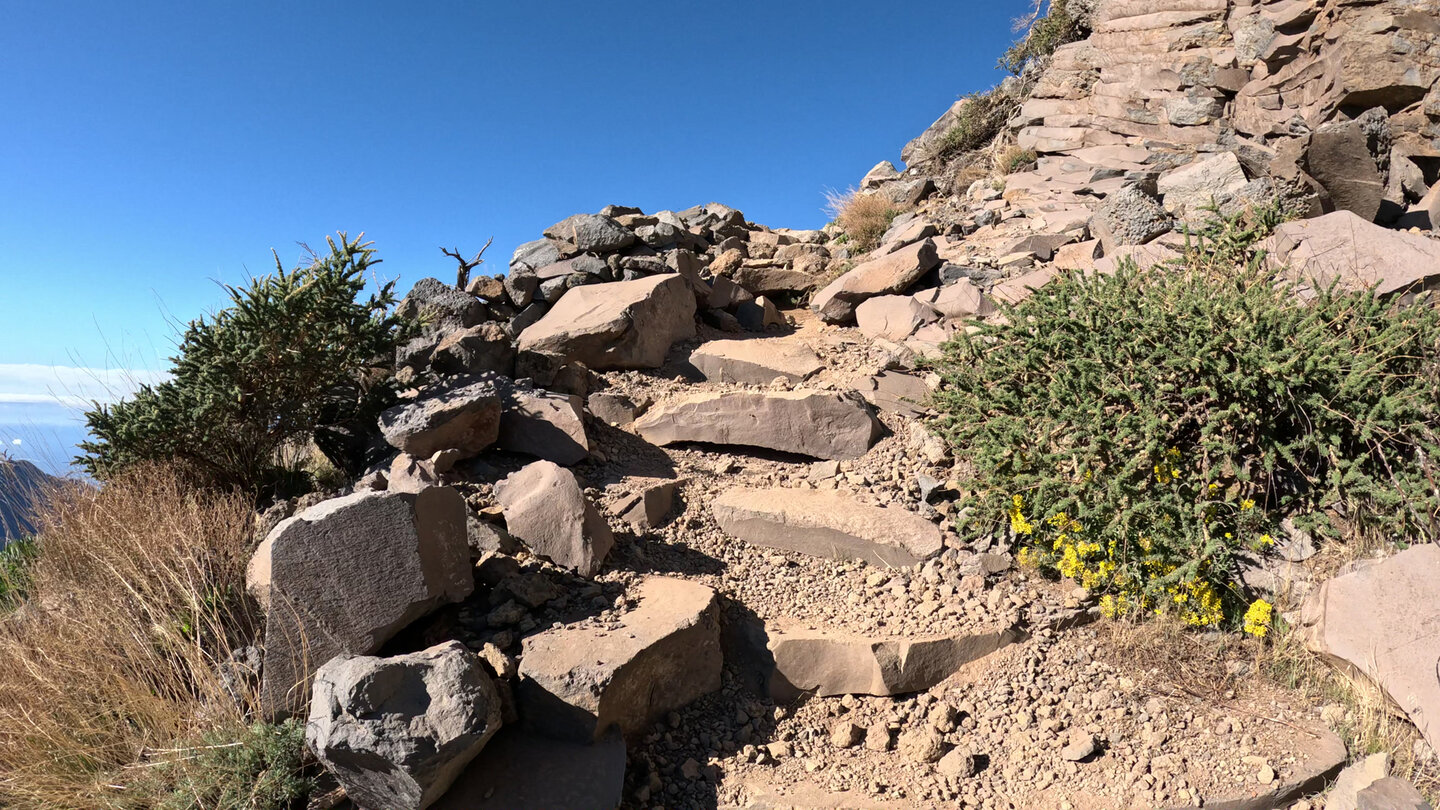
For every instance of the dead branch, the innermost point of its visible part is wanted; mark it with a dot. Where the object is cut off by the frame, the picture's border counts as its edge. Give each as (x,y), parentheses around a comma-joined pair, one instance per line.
(462,274)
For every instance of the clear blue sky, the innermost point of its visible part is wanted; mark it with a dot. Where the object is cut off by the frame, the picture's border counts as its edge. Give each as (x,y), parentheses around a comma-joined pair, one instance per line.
(149,149)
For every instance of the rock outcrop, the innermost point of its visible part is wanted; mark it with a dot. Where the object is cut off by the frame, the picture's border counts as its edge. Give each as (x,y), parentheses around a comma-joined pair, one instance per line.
(623,324)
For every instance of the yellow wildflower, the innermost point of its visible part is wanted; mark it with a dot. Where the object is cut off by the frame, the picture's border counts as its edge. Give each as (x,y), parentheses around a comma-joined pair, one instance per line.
(1257,618)
(1247,504)
(1018,523)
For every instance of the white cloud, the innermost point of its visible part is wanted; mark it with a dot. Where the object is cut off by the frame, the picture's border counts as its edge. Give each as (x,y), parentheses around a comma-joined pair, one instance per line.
(70,386)
(17,442)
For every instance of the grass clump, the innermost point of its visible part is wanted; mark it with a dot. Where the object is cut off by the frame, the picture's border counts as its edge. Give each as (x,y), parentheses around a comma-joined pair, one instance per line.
(863,218)
(259,767)
(1043,34)
(977,122)
(1143,432)
(295,358)
(135,598)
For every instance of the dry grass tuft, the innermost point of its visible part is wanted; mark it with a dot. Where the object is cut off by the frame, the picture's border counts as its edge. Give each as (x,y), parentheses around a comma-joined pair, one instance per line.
(863,217)
(1361,712)
(136,596)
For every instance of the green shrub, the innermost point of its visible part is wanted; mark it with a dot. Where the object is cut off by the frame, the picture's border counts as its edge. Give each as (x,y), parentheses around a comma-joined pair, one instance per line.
(295,357)
(979,120)
(1057,27)
(261,767)
(1138,431)
(16,558)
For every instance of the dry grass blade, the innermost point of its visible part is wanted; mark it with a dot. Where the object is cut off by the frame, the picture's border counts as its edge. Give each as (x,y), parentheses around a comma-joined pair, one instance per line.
(135,599)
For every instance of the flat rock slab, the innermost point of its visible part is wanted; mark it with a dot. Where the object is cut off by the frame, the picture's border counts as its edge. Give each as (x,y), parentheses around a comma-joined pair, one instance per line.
(347,574)
(524,771)
(579,681)
(827,523)
(756,362)
(1383,620)
(1341,247)
(826,663)
(819,424)
(546,509)
(893,317)
(622,324)
(891,273)
(896,392)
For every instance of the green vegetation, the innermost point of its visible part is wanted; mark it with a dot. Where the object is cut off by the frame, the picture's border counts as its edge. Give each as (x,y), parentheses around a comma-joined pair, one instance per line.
(294,358)
(978,121)
(16,558)
(1142,431)
(1057,27)
(260,767)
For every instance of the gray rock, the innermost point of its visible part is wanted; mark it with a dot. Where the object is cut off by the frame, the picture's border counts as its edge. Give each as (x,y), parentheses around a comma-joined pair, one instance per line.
(345,575)
(396,732)
(521,281)
(759,315)
(891,273)
(819,424)
(1344,794)
(546,510)
(543,424)
(1128,217)
(1390,793)
(525,771)
(883,171)
(440,308)
(579,681)
(478,349)
(591,233)
(1339,158)
(647,506)
(612,409)
(462,413)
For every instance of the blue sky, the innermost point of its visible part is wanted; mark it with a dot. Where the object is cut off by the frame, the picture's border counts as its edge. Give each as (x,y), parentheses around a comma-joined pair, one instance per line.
(150,150)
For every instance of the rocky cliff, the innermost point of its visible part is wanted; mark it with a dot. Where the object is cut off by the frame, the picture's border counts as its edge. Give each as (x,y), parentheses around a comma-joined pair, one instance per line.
(22,485)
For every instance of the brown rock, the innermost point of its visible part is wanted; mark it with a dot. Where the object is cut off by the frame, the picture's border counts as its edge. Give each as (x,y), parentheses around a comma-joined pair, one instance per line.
(547,511)
(836,663)
(544,424)
(577,682)
(893,317)
(647,506)
(826,523)
(756,362)
(892,273)
(1343,247)
(1339,158)
(345,575)
(622,324)
(811,423)
(478,349)
(1379,620)
(525,771)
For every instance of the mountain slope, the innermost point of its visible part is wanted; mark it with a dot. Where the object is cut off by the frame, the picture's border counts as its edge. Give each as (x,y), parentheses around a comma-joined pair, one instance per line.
(22,485)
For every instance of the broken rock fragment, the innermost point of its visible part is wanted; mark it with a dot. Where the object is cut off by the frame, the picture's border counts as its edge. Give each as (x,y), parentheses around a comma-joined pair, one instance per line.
(622,324)
(756,362)
(546,509)
(462,413)
(579,681)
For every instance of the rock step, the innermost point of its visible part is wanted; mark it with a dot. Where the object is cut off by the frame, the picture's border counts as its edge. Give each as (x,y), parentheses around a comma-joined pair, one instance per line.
(819,424)
(824,523)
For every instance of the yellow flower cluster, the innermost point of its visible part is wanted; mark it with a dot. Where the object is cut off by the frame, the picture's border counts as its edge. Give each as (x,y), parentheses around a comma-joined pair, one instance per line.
(1257,618)
(1018,523)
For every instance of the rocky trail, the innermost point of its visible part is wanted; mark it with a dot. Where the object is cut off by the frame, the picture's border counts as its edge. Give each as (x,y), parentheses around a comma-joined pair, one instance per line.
(664,523)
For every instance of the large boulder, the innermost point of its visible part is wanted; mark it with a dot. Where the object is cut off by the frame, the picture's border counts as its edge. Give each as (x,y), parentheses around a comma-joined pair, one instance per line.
(1186,191)
(893,317)
(756,362)
(820,424)
(347,574)
(462,414)
(476,350)
(1129,216)
(579,681)
(1380,620)
(1342,248)
(440,308)
(826,523)
(546,509)
(522,281)
(396,732)
(835,663)
(891,273)
(622,324)
(592,233)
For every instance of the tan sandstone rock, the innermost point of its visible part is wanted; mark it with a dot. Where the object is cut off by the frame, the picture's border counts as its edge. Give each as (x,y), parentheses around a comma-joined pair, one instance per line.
(622,324)
(811,423)
(826,523)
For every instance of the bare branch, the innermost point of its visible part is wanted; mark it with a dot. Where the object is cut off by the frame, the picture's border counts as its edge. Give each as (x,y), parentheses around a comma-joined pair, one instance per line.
(462,273)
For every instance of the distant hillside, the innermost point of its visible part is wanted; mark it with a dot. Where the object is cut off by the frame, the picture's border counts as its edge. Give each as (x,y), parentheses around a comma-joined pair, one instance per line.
(21,485)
